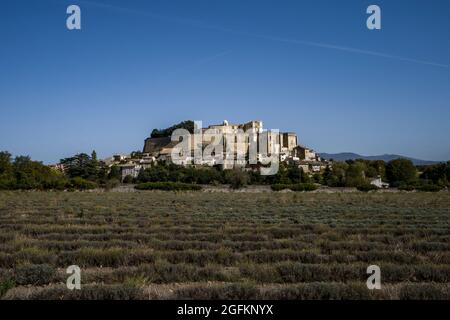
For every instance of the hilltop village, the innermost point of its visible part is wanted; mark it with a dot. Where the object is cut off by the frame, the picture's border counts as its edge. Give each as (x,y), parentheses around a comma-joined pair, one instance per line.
(159,147)
(236,160)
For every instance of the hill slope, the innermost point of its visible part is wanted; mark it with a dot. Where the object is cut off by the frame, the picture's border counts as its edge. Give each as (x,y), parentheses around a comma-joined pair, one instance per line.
(385,157)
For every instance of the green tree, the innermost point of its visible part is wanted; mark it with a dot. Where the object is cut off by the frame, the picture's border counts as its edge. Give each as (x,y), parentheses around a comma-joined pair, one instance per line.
(338,174)
(94,166)
(400,171)
(355,174)
(327,176)
(304,177)
(237,178)
(82,165)
(136,154)
(35,175)
(438,174)
(7,179)
(5,163)
(379,166)
(282,176)
(188,125)
(294,173)
(114,173)
(128,179)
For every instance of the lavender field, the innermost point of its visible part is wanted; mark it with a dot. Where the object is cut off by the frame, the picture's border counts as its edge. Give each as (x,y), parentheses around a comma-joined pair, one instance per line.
(167,245)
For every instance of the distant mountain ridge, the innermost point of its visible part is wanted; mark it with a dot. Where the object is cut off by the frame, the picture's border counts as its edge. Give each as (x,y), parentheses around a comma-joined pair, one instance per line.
(385,157)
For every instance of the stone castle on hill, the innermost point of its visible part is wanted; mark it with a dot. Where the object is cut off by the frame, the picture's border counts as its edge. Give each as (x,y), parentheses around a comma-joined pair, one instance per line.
(159,147)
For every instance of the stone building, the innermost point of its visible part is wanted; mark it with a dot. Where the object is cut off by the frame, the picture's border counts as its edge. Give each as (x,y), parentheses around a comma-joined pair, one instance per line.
(304,153)
(288,141)
(236,151)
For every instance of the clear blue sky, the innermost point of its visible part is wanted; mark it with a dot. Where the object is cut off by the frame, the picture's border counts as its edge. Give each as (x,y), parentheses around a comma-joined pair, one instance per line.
(306,66)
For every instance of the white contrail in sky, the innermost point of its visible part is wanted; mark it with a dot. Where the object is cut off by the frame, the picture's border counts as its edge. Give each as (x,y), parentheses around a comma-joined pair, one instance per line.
(354,50)
(200,24)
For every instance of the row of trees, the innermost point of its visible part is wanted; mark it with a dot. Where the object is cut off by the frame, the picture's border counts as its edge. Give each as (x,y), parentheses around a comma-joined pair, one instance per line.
(287,174)
(90,168)
(83,167)
(84,171)
(24,173)
(81,172)
(400,173)
(352,173)
(438,174)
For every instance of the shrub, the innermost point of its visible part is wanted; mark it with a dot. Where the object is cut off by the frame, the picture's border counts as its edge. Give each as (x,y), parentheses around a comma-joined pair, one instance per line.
(111,183)
(424,291)
(82,184)
(432,273)
(165,272)
(34,255)
(202,257)
(367,187)
(260,273)
(168,186)
(295,272)
(138,281)
(6,260)
(5,285)
(320,291)
(279,187)
(291,272)
(271,256)
(406,187)
(89,292)
(420,186)
(7,183)
(237,178)
(111,257)
(429,188)
(304,187)
(294,187)
(128,179)
(34,274)
(236,291)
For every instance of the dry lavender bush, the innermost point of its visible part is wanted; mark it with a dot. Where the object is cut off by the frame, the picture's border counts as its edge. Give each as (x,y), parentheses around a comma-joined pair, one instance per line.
(188,245)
